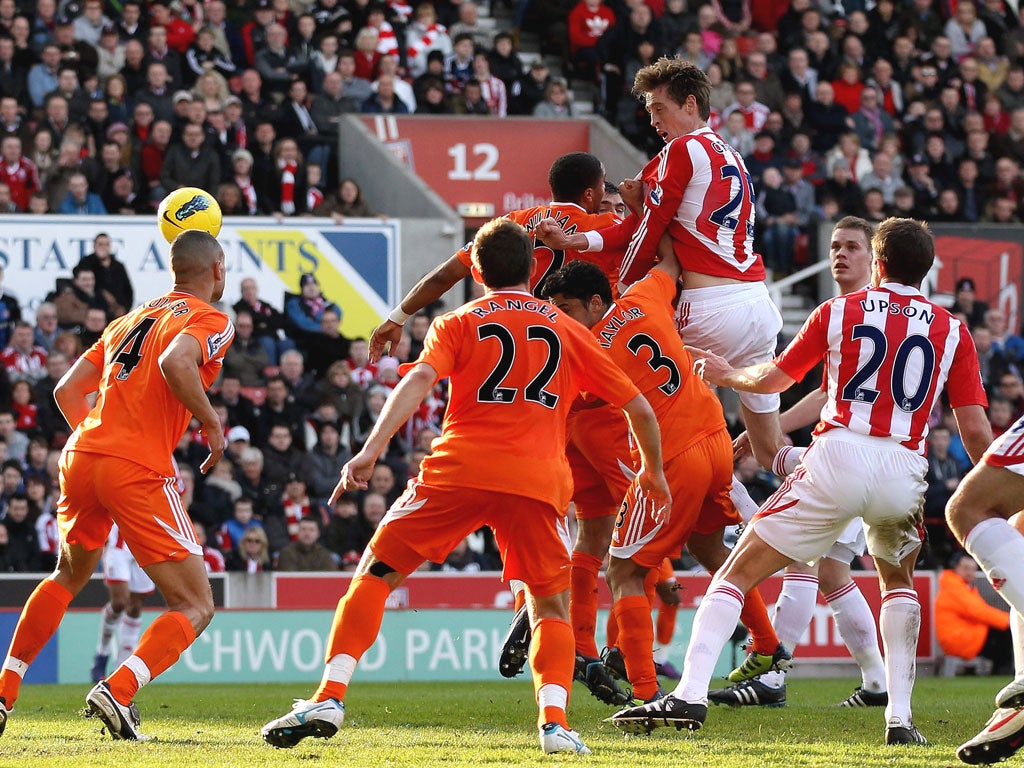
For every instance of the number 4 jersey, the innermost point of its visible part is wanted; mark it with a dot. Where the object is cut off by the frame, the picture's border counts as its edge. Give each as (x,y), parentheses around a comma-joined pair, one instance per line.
(136,416)
(515,365)
(888,351)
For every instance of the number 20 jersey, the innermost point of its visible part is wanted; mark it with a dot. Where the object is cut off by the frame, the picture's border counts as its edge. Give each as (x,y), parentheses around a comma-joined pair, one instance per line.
(888,351)
(515,364)
(136,416)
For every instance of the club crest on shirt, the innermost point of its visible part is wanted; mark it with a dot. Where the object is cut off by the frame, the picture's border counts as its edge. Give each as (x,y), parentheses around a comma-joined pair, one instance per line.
(654,196)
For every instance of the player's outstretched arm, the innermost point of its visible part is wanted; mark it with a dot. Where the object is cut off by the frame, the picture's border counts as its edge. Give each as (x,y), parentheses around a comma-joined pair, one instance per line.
(404,401)
(764,378)
(644,426)
(179,365)
(428,290)
(73,390)
(975,430)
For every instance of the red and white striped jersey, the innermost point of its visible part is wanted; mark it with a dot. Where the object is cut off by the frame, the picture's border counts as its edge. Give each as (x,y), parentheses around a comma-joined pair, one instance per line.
(699,191)
(888,352)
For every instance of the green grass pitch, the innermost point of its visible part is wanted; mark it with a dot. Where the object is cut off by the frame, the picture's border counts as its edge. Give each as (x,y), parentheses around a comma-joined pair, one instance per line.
(483,724)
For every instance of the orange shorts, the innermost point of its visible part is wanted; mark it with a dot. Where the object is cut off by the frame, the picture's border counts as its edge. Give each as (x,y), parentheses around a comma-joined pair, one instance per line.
(96,490)
(699,478)
(427,522)
(600,461)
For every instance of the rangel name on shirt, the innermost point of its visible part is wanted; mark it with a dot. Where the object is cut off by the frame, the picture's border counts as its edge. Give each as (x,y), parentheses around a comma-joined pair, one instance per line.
(530,305)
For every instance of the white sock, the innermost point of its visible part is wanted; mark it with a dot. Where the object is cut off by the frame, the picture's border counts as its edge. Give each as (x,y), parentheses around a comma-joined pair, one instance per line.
(139,669)
(128,637)
(900,622)
(339,669)
(1017,633)
(999,549)
(516,586)
(551,695)
(856,624)
(795,608)
(740,497)
(716,620)
(787,459)
(660,654)
(108,626)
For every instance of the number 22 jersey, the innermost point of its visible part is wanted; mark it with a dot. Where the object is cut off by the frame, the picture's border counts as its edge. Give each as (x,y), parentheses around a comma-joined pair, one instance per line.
(515,364)
(136,416)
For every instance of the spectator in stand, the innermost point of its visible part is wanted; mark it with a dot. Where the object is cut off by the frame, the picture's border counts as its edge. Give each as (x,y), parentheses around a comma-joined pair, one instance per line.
(1009,345)
(158,51)
(213,559)
(870,121)
(42,78)
(943,477)
(325,461)
(556,104)
(776,215)
(346,534)
(247,357)
(276,65)
(882,178)
(111,275)
(79,200)
(18,172)
(280,408)
(190,164)
(423,36)
(505,62)
(735,132)
(754,112)
(22,358)
(404,91)
(587,21)
(966,626)
(305,311)
(355,86)
(204,57)
(330,105)
(384,100)
(46,329)
(252,553)
(967,304)
(269,322)
(23,551)
(287,193)
(306,553)
(965,30)
(297,123)
(528,90)
(763,157)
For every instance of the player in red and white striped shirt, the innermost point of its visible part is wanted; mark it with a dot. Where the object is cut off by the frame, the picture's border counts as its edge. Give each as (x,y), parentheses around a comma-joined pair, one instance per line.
(889,352)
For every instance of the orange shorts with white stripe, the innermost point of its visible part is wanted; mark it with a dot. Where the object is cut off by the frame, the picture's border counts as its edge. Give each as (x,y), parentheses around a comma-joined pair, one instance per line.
(97,490)
(699,479)
(427,522)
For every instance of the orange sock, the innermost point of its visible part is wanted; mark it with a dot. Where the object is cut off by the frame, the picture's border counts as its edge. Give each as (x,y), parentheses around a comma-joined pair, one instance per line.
(666,625)
(755,619)
(39,620)
(583,601)
(356,625)
(160,646)
(552,659)
(636,640)
(611,630)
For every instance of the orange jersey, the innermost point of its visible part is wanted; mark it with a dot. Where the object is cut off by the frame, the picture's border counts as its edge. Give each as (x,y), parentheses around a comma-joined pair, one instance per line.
(640,334)
(572,219)
(516,364)
(136,416)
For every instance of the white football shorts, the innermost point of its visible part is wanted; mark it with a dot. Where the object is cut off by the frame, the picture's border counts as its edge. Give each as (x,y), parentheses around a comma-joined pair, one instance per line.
(119,566)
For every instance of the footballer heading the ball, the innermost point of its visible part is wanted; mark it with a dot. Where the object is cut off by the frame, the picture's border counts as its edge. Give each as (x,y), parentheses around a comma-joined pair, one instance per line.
(188,208)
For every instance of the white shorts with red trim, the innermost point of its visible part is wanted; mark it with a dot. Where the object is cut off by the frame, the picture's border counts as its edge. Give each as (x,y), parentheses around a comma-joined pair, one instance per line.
(119,566)
(1007,450)
(844,476)
(738,321)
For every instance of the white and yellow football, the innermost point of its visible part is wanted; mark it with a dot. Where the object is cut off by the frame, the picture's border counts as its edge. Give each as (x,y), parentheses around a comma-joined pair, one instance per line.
(188,208)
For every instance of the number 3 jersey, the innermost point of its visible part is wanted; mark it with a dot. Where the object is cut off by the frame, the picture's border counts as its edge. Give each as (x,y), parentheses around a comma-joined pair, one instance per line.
(888,351)
(515,365)
(639,333)
(136,416)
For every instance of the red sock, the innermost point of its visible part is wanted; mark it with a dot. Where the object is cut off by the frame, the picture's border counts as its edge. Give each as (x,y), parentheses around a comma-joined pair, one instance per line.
(552,659)
(666,625)
(356,625)
(755,619)
(636,639)
(583,601)
(160,646)
(39,620)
